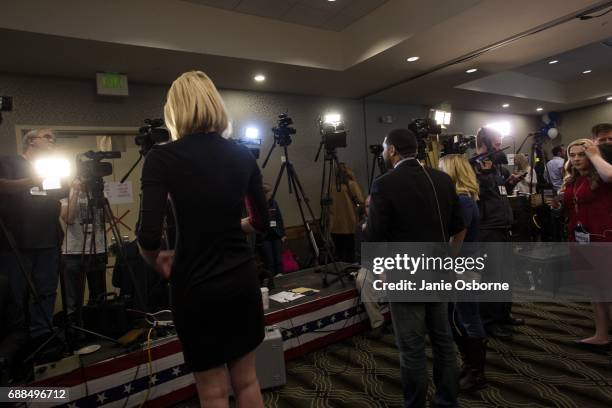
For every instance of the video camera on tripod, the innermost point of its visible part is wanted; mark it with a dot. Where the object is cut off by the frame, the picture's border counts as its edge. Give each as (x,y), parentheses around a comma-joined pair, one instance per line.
(283,131)
(91,171)
(423,129)
(151,134)
(457,144)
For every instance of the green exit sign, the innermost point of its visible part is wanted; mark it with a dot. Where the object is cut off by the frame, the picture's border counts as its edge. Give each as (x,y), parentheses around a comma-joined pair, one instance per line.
(112,84)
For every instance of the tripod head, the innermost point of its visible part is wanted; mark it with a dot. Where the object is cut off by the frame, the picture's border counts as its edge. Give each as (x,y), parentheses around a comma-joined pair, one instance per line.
(282,135)
(92,171)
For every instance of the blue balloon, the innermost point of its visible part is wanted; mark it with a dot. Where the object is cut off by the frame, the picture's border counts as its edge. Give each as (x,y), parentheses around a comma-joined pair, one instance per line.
(553,116)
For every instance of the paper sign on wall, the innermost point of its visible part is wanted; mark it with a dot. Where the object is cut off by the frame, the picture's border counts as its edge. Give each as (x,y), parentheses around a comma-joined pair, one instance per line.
(119,193)
(510,159)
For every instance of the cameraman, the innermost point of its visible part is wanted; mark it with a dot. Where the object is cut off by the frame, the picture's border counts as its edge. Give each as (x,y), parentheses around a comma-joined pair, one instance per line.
(32,218)
(496,218)
(347,202)
(81,254)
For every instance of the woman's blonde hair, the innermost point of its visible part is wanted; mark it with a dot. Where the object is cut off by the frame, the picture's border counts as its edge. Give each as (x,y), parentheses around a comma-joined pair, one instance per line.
(462,174)
(193,105)
(520,162)
(571,173)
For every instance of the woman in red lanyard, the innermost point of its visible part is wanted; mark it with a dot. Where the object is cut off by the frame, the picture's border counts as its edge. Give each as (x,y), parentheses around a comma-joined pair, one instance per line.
(587,203)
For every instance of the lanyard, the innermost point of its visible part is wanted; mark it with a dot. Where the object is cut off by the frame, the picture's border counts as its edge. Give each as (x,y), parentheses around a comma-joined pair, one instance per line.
(576,190)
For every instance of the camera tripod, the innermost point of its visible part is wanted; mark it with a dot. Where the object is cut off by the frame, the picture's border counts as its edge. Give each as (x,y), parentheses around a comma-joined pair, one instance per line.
(295,186)
(539,169)
(97,214)
(331,167)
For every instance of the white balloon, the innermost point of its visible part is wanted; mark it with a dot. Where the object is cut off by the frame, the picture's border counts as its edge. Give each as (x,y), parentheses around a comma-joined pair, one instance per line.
(545,118)
(553,132)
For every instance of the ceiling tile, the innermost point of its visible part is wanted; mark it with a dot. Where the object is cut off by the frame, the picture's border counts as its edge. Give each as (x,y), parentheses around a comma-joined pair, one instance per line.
(338,22)
(224,4)
(361,8)
(337,5)
(265,8)
(308,16)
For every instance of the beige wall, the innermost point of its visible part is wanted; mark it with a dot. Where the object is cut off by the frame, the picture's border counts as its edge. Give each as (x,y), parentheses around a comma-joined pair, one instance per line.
(577,123)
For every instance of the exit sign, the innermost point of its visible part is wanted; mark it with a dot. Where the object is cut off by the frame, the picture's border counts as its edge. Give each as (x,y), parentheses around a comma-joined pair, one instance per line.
(112,84)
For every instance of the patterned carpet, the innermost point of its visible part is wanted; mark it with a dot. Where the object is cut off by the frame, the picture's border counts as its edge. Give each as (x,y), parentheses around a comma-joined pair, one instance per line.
(539,368)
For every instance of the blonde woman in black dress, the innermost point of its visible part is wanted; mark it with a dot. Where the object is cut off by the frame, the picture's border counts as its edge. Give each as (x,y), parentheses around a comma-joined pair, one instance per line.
(217,304)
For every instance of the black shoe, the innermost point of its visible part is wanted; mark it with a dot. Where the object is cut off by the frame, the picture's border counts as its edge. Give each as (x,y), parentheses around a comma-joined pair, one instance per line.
(514,321)
(499,332)
(592,346)
(473,377)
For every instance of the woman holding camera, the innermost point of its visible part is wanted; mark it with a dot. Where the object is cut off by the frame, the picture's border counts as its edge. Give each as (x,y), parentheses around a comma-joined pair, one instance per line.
(217,305)
(471,335)
(587,203)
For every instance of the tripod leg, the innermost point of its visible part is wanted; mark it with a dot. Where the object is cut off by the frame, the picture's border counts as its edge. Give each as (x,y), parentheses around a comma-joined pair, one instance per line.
(278,179)
(298,186)
(121,251)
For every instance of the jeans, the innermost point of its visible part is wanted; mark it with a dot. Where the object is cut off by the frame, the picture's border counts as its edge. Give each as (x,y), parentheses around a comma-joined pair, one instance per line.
(73,278)
(411,322)
(467,317)
(493,313)
(42,266)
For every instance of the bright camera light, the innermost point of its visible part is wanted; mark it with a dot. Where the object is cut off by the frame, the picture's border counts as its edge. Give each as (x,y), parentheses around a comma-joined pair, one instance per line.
(553,62)
(539,109)
(471,70)
(506,105)
(412,59)
(502,128)
(609,98)
(588,71)
(259,78)
(52,170)
(332,118)
(52,167)
(442,117)
(251,133)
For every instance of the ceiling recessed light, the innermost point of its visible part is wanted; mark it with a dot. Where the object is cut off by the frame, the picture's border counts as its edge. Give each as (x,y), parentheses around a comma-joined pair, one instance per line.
(553,62)
(609,98)
(412,59)
(259,78)
(471,70)
(539,109)
(588,71)
(506,105)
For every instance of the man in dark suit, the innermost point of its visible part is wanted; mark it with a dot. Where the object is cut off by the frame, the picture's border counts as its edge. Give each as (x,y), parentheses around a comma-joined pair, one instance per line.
(414,204)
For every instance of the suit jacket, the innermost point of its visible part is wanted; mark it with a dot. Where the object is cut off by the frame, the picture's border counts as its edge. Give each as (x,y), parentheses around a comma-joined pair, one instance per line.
(403,206)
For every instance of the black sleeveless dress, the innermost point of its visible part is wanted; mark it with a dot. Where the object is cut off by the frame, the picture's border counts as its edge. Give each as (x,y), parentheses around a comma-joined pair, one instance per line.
(216,298)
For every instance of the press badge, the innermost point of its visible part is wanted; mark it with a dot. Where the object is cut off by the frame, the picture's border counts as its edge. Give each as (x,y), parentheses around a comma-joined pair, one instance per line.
(273,223)
(502,190)
(581,235)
